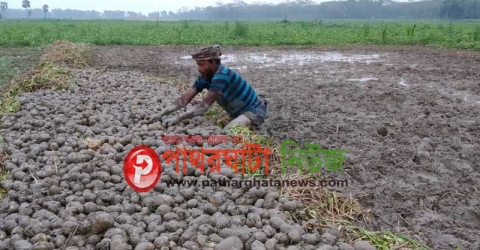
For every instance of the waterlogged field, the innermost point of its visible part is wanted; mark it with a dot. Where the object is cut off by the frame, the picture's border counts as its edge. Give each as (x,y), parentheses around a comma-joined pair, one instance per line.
(464,35)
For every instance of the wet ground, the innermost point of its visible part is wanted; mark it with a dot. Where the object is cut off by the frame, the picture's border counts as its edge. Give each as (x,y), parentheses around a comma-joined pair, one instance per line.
(422,177)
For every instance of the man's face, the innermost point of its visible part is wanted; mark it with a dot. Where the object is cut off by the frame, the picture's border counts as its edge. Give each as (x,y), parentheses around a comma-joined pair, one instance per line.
(206,69)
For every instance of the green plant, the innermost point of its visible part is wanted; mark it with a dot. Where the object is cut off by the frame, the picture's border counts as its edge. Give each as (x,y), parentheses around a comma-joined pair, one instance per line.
(9,105)
(240,29)
(411,31)
(387,240)
(476,34)
(384,35)
(249,136)
(366,31)
(449,34)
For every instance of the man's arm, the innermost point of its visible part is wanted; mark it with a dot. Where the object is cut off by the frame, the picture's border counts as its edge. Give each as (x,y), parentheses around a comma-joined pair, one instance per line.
(203,106)
(184,99)
(178,104)
(199,109)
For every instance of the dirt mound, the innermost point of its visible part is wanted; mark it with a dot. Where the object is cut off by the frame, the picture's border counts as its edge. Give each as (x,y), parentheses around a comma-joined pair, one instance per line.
(50,73)
(68,54)
(45,75)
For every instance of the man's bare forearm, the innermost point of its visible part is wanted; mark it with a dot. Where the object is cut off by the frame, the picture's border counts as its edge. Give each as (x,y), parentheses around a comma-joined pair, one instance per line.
(183,100)
(178,104)
(196,111)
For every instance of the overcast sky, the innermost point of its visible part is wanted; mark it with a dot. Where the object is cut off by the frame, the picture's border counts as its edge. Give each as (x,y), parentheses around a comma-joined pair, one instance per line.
(144,6)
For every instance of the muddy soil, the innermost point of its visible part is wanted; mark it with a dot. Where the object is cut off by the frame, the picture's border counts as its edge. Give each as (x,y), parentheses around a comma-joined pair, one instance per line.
(422,177)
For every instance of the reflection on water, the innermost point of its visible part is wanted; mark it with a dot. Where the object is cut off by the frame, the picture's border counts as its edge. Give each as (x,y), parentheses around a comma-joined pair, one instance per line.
(271,60)
(365,79)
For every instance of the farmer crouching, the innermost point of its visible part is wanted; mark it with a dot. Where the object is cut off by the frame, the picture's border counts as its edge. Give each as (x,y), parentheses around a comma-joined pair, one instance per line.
(225,86)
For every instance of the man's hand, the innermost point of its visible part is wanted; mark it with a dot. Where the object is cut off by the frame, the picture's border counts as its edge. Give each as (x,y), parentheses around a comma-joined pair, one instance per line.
(178,104)
(170,122)
(159,116)
(197,110)
(169,109)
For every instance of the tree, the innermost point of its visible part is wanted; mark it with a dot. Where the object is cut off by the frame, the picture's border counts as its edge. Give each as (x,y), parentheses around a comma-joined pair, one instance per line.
(26,5)
(452,9)
(45,10)
(3,7)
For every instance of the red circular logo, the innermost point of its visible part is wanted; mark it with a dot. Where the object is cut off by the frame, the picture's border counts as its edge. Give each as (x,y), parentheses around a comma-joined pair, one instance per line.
(142,168)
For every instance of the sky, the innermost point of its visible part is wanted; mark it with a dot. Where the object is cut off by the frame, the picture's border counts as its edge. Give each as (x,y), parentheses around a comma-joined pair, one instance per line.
(144,6)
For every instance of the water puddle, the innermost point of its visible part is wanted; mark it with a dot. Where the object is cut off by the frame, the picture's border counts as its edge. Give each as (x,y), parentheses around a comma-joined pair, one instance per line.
(328,57)
(365,79)
(402,82)
(300,59)
(240,68)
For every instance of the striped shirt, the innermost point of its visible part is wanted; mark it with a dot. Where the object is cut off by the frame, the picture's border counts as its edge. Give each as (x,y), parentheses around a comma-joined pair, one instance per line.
(236,94)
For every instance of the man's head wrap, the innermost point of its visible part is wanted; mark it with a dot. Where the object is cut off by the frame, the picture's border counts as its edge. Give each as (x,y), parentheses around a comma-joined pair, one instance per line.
(208,53)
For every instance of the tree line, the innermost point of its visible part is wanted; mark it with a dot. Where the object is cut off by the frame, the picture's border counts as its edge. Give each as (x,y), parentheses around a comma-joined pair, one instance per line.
(297,10)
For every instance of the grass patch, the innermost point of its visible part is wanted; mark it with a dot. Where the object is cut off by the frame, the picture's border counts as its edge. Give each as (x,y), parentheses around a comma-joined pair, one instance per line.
(456,34)
(217,115)
(51,72)
(3,172)
(3,193)
(45,76)
(387,240)
(249,135)
(214,112)
(9,105)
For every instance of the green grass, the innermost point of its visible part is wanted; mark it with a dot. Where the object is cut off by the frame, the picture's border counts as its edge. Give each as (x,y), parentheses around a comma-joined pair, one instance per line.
(14,61)
(216,115)
(21,71)
(249,136)
(45,76)
(459,34)
(387,240)
(3,172)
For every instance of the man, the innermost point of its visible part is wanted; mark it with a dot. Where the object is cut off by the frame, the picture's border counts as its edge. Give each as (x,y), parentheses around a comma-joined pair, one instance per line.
(224,86)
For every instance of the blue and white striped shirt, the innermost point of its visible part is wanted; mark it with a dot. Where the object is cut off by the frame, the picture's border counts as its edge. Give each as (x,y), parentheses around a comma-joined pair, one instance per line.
(236,94)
